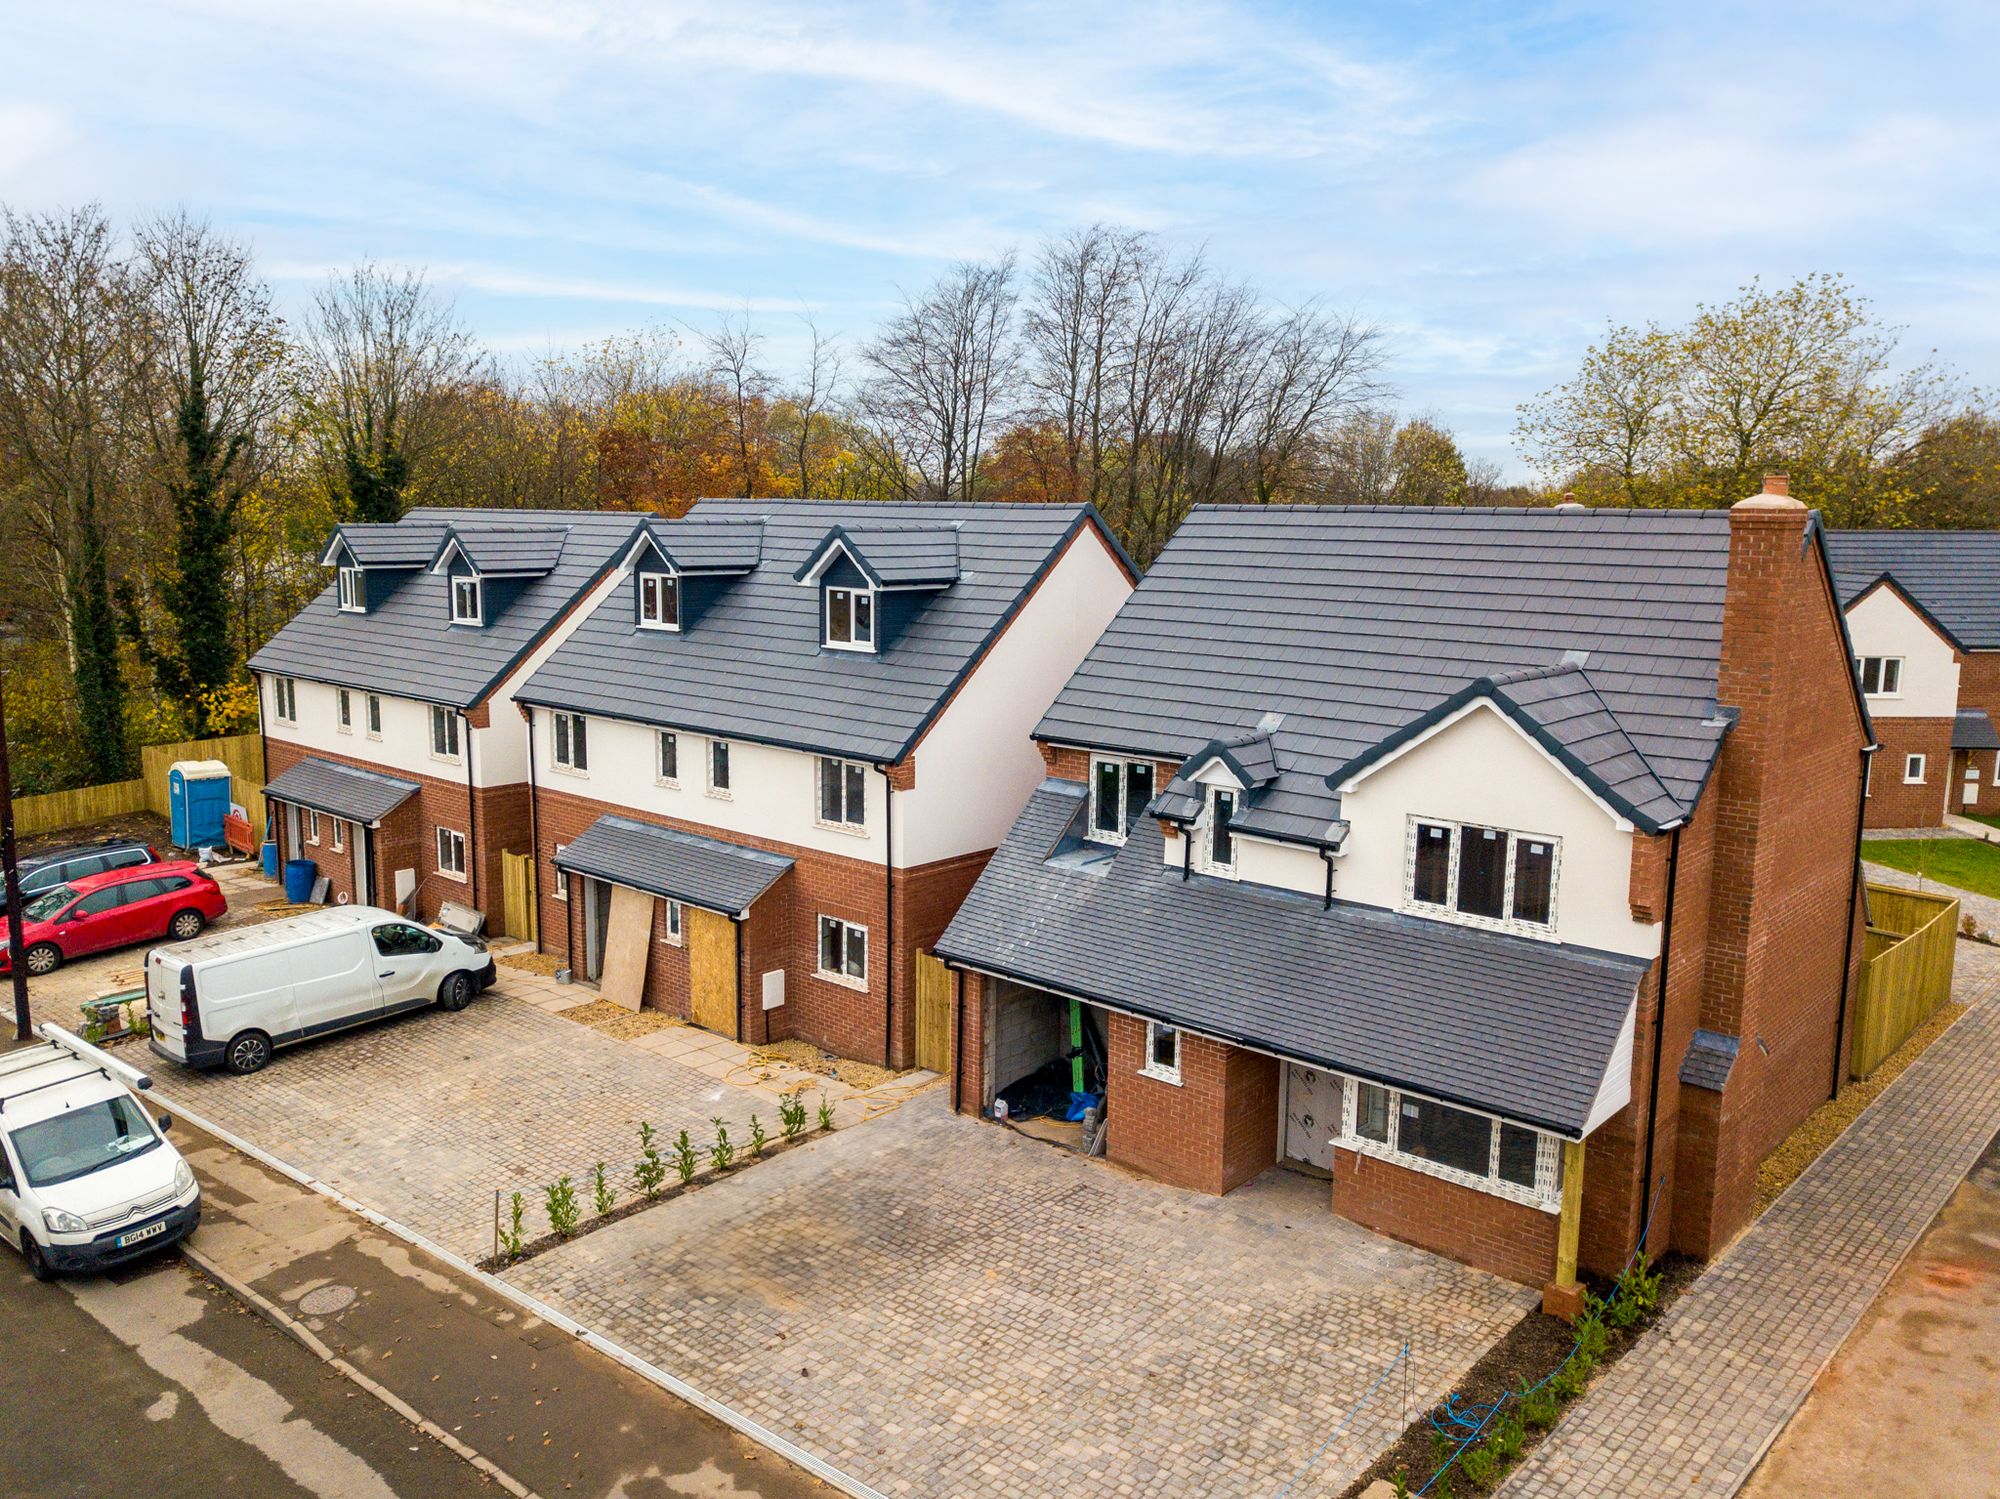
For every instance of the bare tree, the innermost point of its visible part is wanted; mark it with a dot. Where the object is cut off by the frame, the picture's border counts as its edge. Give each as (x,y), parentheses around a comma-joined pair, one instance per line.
(733,349)
(813,398)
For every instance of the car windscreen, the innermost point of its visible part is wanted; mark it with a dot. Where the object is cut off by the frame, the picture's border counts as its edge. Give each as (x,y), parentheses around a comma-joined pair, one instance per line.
(83,1140)
(43,906)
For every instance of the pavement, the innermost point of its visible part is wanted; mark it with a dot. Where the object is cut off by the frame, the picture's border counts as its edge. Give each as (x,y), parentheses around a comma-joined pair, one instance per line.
(1693,1408)
(939,1305)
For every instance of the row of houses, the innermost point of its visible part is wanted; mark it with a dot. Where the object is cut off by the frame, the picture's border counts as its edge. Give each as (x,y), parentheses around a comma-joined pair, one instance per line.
(1456,857)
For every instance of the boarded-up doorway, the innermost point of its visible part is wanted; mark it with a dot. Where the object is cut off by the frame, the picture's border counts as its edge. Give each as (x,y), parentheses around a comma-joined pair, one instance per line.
(1312,1116)
(628,944)
(711,946)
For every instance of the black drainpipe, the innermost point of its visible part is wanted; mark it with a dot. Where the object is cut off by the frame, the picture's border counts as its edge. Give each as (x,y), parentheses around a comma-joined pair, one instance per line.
(1326,858)
(1853,899)
(1187,850)
(535,827)
(1660,1008)
(471,817)
(889,905)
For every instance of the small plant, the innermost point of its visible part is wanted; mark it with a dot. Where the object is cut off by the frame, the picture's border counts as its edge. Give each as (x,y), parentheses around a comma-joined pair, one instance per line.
(684,1158)
(510,1237)
(721,1153)
(791,1115)
(601,1195)
(1401,1483)
(1568,1381)
(1539,1407)
(1634,1297)
(758,1138)
(825,1113)
(1480,1464)
(651,1172)
(1441,1446)
(137,1025)
(1508,1437)
(561,1206)
(1592,1337)
(93,1029)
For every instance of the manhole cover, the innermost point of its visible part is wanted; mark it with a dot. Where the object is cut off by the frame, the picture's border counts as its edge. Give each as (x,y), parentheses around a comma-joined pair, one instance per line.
(326,1301)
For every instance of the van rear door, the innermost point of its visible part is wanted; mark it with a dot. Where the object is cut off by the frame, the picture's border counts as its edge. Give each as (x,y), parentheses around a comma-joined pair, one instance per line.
(335,981)
(163,1003)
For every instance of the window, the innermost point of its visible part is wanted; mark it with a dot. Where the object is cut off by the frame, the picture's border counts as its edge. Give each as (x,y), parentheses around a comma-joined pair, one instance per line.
(343,710)
(850,619)
(352,599)
(99,901)
(1483,874)
(672,931)
(285,699)
(312,826)
(374,716)
(1913,770)
(339,835)
(668,768)
(562,875)
(1461,1145)
(451,853)
(1221,842)
(1881,676)
(465,601)
(1120,792)
(842,793)
(1371,1113)
(659,601)
(572,742)
(718,767)
(1451,1137)
(843,950)
(444,733)
(1163,1053)
(400,940)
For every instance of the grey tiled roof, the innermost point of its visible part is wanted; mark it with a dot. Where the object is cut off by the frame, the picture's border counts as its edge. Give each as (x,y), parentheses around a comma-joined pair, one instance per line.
(686,867)
(1355,622)
(1953,576)
(699,546)
(748,663)
(511,551)
(1710,1058)
(894,556)
(405,643)
(340,790)
(1973,730)
(1516,1027)
(374,545)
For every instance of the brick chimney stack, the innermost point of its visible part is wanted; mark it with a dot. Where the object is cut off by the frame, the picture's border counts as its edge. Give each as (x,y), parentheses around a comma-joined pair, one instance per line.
(1778,484)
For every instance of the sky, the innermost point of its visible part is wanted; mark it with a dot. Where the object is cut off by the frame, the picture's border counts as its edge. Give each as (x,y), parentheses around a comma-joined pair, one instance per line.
(1488,184)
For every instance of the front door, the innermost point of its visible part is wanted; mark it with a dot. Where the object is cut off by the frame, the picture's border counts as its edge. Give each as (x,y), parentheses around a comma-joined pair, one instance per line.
(1971,784)
(364,865)
(1312,1115)
(711,946)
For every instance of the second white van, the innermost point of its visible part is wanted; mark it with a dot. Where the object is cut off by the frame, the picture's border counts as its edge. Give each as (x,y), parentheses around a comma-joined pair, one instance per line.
(233,997)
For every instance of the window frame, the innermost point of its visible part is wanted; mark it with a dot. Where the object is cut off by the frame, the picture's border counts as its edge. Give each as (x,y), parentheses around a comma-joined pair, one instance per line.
(1152,1067)
(559,883)
(446,838)
(312,826)
(349,589)
(851,787)
(340,835)
(478,587)
(1216,834)
(285,699)
(672,931)
(1888,675)
(846,930)
(1921,764)
(446,720)
(666,589)
(726,789)
(1545,1195)
(374,718)
(569,742)
(855,640)
(343,710)
(1126,813)
(666,746)
(1507,921)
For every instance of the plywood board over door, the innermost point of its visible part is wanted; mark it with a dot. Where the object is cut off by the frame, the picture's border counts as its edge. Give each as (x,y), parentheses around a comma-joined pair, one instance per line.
(628,942)
(711,945)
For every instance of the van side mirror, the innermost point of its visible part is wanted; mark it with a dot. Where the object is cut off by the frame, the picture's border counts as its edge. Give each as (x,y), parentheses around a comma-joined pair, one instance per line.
(166,1123)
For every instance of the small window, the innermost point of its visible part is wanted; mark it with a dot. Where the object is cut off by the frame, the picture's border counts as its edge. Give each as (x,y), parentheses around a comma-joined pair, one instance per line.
(842,793)
(352,599)
(444,733)
(669,765)
(1221,842)
(659,601)
(671,932)
(1913,770)
(1371,1113)
(1881,676)
(1534,879)
(1517,1155)
(465,601)
(718,767)
(343,710)
(843,949)
(451,853)
(1432,882)
(339,835)
(850,619)
(285,699)
(374,716)
(572,741)
(1163,1052)
(312,826)
(561,874)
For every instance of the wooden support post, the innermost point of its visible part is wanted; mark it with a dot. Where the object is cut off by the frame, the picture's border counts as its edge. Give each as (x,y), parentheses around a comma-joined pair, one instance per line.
(1563,1297)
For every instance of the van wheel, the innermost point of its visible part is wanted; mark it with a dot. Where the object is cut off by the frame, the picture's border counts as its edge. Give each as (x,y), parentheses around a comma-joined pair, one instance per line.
(186,924)
(38,1263)
(44,957)
(456,992)
(247,1053)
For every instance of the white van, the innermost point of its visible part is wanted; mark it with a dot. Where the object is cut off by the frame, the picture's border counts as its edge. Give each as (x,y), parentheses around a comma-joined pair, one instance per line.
(231,997)
(87,1179)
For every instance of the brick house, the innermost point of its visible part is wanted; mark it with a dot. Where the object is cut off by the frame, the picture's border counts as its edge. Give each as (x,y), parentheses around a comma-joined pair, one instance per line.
(395,759)
(1430,851)
(770,763)
(1923,608)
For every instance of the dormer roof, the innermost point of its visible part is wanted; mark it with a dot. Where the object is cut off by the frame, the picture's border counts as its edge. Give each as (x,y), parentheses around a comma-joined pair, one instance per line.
(705,548)
(502,551)
(888,556)
(385,547)
(1249,759)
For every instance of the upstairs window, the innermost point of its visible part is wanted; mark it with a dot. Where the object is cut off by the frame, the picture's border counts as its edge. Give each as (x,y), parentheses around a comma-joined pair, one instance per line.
(465,608)
(352,599)
(659,601)
(667,769)
(850,619)
(1120,792)
(285,699)
(343,710)
(572,741)
(1481,873)
(444,733)
(718,767)
(1221,841)
(843,800)
(1881,676)
(374,716)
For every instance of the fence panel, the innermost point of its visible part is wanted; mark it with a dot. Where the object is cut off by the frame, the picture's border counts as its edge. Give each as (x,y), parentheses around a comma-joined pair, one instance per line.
(1906,970)
(68,809)
(242,753)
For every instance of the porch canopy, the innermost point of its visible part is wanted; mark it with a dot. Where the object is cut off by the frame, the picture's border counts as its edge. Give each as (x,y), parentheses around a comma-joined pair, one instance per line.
(686,867)
(345,791)
(1973,730)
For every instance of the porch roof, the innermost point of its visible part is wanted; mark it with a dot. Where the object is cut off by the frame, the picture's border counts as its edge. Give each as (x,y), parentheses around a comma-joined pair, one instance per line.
(686,867)
(364,796)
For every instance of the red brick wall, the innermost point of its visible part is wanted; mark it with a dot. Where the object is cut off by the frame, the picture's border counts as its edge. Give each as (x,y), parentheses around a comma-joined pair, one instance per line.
(1979,682)
(1891,803)
(1213,1131)
(1473,1227)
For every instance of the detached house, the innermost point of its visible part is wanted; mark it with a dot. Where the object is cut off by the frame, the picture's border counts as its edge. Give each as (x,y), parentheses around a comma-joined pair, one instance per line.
(1434,852)
(770,763)
(397,761)
(1923,608)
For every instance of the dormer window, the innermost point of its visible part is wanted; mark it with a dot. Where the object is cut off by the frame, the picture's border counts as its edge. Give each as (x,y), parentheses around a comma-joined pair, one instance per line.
(1120,791)
(1221,841)
(659,601)
(465,602)
(850,619)
(352,599)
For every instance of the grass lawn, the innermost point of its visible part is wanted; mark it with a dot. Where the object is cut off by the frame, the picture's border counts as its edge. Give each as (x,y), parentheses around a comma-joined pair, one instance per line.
(1965,863)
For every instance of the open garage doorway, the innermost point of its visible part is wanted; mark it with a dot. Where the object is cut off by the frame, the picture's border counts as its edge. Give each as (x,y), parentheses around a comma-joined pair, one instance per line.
(1047,1064)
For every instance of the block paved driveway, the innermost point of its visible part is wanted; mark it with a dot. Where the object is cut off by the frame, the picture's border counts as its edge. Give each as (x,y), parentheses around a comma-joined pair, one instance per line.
(938,1306)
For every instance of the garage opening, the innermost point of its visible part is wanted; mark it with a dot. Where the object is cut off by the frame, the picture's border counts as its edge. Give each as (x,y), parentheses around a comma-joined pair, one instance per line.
(1048,1064)
(1312,1102)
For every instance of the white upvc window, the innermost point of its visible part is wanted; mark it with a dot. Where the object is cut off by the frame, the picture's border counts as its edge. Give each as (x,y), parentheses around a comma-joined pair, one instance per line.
(1881,676)
(850,619)
(312,826)
(1163,1053)
(572,742)
(667,758)
(445,743)
(352,598)
(285,699)
(343,710)
(1483,876)
(1218,839)
(339,836)
(1476,1150)
(561,880)
(451,853)
(718,768)
(1120,791)
(670,931)
(466,608)
(374,716)
(659,601)
(843,951)
(1914,769)
(843,794)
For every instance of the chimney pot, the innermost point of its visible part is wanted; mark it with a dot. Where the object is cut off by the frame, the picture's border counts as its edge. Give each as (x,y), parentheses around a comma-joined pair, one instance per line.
(1777,484)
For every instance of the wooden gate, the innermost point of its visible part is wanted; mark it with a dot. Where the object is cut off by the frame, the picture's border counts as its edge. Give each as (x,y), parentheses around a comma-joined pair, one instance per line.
(933,1014)
(711,945)
(1905,971)
(518,914)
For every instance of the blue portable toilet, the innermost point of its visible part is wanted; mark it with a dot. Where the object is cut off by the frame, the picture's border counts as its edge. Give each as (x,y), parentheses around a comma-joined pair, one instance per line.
(197,801)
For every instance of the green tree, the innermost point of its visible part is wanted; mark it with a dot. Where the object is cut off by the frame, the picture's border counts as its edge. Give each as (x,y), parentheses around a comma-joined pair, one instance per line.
(1426,466)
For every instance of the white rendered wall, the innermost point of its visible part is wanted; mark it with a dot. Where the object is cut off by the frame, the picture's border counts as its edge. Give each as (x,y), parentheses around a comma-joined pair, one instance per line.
(404,745)
(1883,624)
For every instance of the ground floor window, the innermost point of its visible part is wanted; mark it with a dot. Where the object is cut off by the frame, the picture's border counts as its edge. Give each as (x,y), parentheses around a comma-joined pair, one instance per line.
(312,826)
(339,835)
(1461,1145)
(562,875)
(672,932)
(1163,1053)
(843,950)
(451,853)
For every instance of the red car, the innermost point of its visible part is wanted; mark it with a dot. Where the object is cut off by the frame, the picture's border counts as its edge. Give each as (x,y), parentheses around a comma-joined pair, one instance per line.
(114,909)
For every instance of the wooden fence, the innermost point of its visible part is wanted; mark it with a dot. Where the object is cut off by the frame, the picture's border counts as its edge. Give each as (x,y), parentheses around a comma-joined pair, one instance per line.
(147,792)
(1905,970)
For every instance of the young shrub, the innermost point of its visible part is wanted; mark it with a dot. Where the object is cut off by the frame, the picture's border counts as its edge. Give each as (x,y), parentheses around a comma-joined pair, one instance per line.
(1401,1482)
(1480,1465)
(685,1163)
(757,1138)
(651,1172)
(1592,1337)
(1508,1437)
(562,1210)
(825,1113)
(791,1115)
(721,1153)
(1568,1381)
(1539,1407)
(1441,1448)
(601,1196)
(510,1237)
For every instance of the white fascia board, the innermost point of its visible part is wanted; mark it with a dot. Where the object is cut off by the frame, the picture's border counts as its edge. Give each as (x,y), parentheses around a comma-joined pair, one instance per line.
(442,567)
(1212,772)
(645,542)
(826,561)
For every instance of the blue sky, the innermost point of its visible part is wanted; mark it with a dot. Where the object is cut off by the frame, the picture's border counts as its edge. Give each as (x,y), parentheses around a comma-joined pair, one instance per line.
(1487,183)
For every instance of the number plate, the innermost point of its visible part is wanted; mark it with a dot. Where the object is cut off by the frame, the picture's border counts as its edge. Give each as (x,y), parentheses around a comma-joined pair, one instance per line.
(151,1230)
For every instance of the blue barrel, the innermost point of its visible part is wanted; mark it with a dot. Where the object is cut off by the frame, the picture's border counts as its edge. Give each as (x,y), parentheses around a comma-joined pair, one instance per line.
(299,877)
(270,858)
